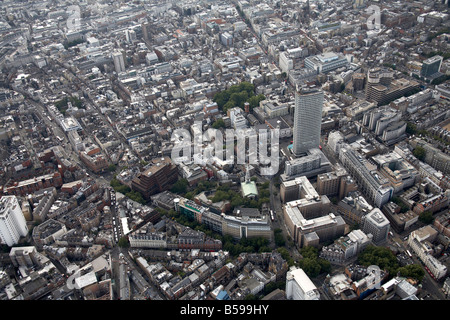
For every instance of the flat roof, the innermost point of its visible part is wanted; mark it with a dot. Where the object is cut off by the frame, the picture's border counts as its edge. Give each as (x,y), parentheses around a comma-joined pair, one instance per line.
(86,280)
(303,280)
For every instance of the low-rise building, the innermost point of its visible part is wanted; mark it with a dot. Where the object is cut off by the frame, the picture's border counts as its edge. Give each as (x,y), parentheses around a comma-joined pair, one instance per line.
(420,242)
(346,248)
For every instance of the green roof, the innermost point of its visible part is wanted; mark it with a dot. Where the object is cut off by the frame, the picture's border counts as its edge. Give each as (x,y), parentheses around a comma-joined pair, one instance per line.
(249,188)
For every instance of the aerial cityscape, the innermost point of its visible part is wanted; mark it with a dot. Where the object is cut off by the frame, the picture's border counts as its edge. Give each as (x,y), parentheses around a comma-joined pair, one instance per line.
(225,150)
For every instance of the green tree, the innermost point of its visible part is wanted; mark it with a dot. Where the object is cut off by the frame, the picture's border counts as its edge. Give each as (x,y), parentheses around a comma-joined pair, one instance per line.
(311,263)
(229,105)
(411,128)
(189,195)
(399,202)
(255,100)
(223,187)
(219,123)
(334,200)
(423,132)
(135,196)
(426,217)
(265,185)
(414,271)
(309,252)
(119,187)
(271,286)
(236,96)
(325,265)
(246,86)
(123,242)
(286,255)
(220,196)
(380,256)
(310,266)
(237,201)
(263,200)
(279,239)
(419,152)
(180,186)
(221,98)
(239,98)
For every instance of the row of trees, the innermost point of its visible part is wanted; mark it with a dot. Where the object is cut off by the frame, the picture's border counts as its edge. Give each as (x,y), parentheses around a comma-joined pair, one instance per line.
(278,237)
(411,129)
(68,44)
(237,95)
(249,245)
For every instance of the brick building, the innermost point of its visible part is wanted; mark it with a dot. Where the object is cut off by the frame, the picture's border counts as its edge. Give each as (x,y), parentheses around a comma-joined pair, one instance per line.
(157,178)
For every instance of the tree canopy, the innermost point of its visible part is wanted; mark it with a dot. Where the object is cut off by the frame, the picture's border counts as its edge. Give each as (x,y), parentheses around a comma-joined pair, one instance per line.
(426,217)
(237,95)
(219,123)
(412,271)
(419,152)
(126,190)
(386,260)
(311,263)
(180,187)
(123,242)
(379,256)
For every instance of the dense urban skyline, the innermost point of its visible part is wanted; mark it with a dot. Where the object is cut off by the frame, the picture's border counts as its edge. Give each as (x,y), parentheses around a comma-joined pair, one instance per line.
(226,150)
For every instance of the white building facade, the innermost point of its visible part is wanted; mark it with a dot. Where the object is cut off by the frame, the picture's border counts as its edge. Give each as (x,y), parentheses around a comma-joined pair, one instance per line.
(299,286)
(12,222)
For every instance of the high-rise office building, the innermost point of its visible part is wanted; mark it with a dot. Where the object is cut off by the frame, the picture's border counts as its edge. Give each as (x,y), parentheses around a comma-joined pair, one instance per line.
(12,222)
(358,4)
(307,120)
(130,35)
(431,66)
(146,30)
(119,62)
